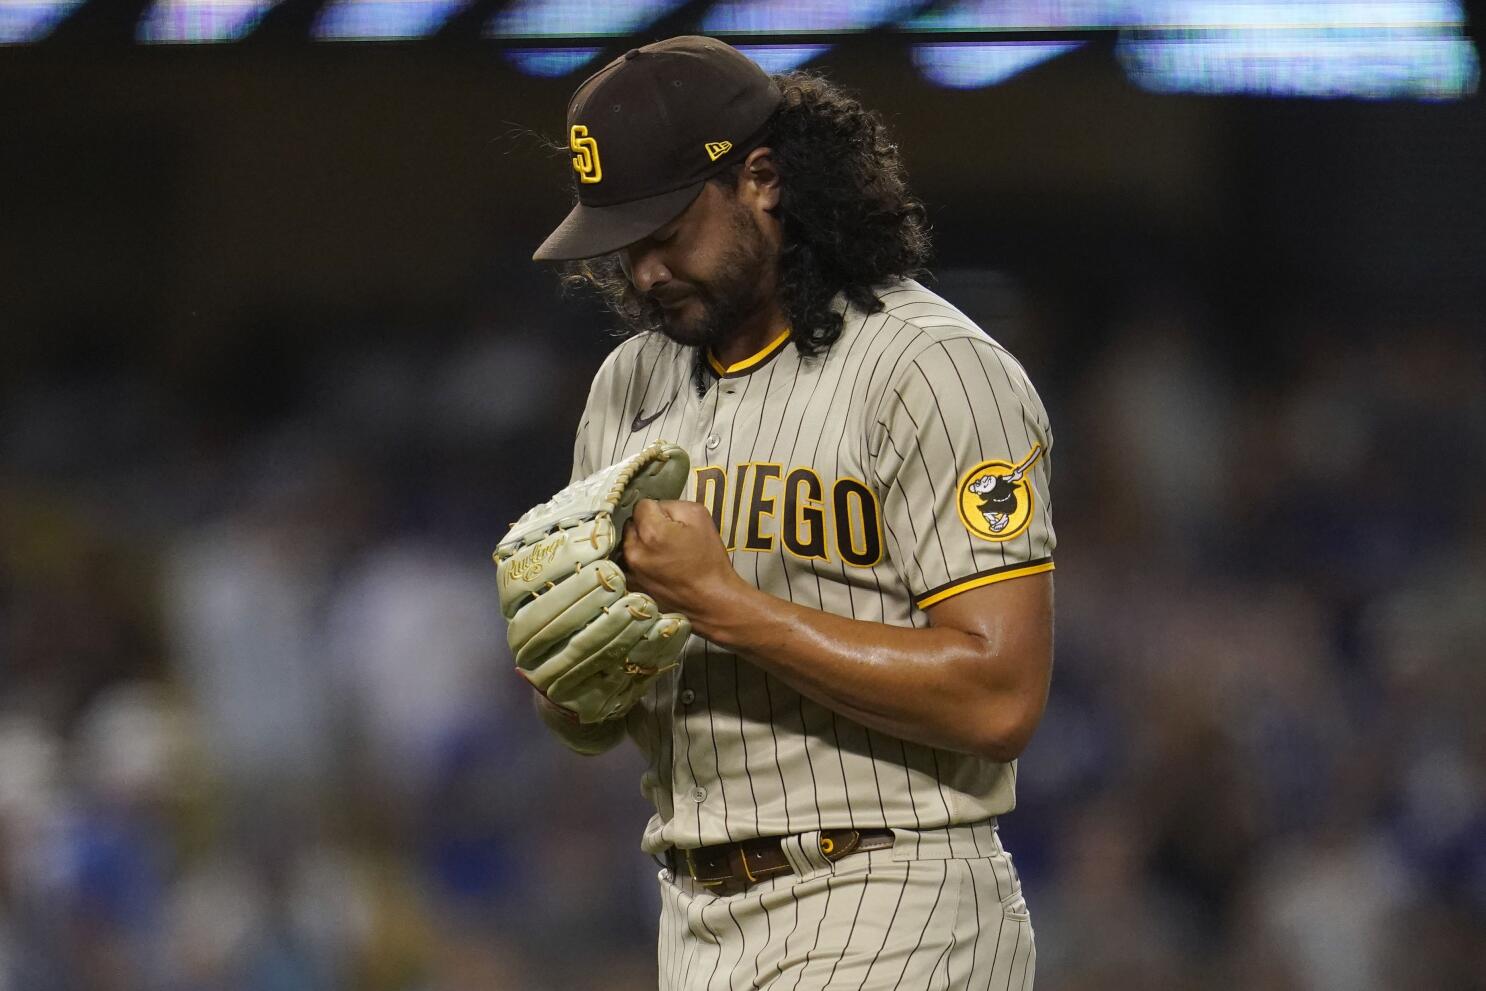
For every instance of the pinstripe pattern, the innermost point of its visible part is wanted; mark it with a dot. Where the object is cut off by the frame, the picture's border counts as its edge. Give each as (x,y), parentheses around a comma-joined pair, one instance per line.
(871,922)
(907,402)
(838,483)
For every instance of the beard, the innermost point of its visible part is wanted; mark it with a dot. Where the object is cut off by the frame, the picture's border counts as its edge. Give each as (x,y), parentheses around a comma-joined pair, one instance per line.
(713,307)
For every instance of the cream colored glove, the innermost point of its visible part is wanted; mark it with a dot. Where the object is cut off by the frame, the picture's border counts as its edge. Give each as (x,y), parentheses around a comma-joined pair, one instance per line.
(578,634)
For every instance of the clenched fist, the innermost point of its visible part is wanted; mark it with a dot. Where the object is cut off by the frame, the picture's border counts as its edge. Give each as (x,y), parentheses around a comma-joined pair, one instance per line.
(672,553)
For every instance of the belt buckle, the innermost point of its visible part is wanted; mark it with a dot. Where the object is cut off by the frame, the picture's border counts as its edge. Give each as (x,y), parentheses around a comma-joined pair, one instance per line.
(743,862)
(691,869)
(735,854)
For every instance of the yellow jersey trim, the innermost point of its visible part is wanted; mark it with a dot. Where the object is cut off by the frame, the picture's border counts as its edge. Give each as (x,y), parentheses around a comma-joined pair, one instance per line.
(753,361)
(980,581)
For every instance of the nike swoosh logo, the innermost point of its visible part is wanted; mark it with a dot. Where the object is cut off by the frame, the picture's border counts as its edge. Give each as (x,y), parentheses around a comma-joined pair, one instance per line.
(641,422)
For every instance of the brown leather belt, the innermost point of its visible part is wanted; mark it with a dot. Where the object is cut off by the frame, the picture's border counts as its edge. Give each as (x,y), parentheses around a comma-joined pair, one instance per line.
(729,868)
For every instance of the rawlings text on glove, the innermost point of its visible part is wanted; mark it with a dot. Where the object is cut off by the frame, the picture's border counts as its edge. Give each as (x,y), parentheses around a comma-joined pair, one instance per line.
(578,635)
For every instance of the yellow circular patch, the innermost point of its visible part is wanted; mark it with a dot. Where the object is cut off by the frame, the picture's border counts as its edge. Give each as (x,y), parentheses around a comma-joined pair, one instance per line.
(995,500)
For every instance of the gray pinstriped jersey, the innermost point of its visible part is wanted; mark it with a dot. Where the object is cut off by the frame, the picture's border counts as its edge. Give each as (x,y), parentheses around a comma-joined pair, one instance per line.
(907,464)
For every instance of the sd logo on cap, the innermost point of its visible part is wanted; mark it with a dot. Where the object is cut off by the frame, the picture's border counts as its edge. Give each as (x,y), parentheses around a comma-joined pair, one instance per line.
(648,130)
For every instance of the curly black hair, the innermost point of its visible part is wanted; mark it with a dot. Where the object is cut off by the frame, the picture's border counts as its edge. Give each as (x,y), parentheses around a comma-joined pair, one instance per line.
(850,223)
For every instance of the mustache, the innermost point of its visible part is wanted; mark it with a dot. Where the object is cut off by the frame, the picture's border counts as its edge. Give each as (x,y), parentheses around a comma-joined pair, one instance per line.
(645,312)
(671,296)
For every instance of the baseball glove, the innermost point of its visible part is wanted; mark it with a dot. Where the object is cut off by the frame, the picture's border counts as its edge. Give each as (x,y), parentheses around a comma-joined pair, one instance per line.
(579,636)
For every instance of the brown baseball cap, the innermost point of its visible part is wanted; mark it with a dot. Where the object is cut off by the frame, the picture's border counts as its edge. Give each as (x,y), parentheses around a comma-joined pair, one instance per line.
(648,130)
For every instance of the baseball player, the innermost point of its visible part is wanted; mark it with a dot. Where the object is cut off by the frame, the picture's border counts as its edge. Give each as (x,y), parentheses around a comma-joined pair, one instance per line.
(863,549)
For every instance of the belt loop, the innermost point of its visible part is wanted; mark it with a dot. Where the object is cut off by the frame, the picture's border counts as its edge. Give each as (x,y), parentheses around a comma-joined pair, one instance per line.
(794,848)
(803,853)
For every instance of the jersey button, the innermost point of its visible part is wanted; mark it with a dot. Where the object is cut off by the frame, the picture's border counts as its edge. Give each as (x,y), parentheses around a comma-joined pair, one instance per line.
(712,441)
(688,697)
(699,794)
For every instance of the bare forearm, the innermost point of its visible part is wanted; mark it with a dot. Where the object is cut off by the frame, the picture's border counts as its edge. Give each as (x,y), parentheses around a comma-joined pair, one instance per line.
(937,686)
(975,680)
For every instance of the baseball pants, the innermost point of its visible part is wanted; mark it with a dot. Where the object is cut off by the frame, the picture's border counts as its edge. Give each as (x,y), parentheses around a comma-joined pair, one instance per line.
(941,909)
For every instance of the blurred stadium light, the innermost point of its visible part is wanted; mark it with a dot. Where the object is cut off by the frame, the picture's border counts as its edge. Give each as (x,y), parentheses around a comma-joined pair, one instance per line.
(1399,15)
(201,20)
(782,58)
(372,20)
(1372,49)
(991,15)
(551,62)
(1313,64)
(776,17)
(793,17)
(31,20)
(973,64)
(1414,49)
(567,20)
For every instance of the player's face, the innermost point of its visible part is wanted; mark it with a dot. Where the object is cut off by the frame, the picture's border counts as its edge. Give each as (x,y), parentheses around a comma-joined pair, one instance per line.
(701,276)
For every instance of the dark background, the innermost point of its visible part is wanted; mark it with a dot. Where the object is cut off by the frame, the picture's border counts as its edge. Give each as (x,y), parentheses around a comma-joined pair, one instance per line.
(276,372)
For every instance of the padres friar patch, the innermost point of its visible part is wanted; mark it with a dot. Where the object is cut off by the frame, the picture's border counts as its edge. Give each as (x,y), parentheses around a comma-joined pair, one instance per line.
(995,499)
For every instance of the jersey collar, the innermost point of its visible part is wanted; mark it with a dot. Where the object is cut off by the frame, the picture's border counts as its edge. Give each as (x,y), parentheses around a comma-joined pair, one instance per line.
(750,363)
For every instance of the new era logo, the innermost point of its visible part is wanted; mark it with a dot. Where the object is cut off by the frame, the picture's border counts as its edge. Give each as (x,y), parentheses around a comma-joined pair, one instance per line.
(717,149)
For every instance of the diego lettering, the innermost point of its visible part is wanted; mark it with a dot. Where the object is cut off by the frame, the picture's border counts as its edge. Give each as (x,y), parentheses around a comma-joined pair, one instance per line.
(762,504)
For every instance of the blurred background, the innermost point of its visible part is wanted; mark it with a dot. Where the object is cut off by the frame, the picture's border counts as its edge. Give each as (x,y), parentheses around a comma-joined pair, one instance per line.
(276,372)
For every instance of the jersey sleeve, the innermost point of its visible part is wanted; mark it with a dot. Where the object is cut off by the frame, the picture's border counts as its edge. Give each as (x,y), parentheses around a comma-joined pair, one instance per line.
(962,453)
(582,449)
(591,424)
(595,446)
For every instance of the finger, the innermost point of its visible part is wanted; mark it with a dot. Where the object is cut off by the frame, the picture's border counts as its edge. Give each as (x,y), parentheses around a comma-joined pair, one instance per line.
(685,511)
(633,582)
(674,510)
(646,516)
(634,553)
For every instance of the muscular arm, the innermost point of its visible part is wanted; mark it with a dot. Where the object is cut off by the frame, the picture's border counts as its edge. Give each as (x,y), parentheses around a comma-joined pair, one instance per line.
(975,680)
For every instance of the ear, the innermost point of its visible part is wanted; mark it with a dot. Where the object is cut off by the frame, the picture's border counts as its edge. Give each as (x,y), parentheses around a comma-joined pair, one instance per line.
(758,182)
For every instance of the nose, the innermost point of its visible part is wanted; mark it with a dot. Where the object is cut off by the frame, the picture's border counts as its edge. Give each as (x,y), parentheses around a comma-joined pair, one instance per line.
(644,266)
